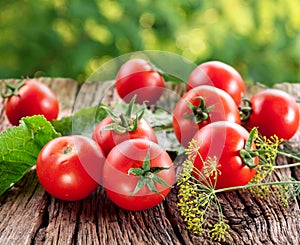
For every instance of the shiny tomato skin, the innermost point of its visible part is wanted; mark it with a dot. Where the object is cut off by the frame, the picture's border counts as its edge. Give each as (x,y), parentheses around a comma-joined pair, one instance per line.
(119,185)
(34,98)
(224,140)
(70,167)
(133,66)
(108,139)
(137,77)
(224,109)
(274,112)
(220,75)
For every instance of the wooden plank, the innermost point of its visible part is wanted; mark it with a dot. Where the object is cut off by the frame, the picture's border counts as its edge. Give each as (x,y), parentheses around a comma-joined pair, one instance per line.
(25,205)
(28,215)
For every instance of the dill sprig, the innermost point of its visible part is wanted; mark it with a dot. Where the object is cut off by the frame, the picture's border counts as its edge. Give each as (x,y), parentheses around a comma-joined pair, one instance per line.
(268,149)
(286,188)
(198,199)
(198,196)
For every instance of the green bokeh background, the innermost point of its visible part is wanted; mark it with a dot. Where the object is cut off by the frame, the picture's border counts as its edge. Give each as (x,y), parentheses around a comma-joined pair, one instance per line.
(72,38)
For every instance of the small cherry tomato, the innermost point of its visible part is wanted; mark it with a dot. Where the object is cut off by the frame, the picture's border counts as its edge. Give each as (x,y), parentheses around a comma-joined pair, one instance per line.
(138,174)
(114,129)
(70,167)
(220,75)
(199,107)
(274,112)
(30,98)
(218,162)
(108,139)
(138,77)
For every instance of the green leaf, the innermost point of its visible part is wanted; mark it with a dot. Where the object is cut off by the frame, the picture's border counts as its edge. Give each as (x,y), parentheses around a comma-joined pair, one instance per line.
(82,122)
(161,121)
(251,138)
(168,140)
(20,146)
(158,118)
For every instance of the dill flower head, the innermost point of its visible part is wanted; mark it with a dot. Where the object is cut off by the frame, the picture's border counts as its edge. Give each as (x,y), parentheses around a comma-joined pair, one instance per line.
(268,151)
(197,200)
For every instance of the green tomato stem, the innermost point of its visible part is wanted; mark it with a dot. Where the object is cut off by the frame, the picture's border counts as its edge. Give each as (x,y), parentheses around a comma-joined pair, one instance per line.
(12,90)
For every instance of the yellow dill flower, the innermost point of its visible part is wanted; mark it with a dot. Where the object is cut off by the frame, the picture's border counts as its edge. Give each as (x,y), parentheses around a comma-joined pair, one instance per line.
(192,150)
(268,148)
(219,232)
(196,200)
(211,167)
(198,197)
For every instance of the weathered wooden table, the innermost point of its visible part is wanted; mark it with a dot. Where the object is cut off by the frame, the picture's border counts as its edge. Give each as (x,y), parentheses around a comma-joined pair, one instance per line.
(28,215)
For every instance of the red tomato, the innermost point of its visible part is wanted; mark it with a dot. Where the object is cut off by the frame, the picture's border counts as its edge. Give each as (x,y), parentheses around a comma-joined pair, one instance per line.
(222,141)
(130,157)
(32,98)
(274,112)
(187,121)
(70,167)
(220,75)
(108,139)
(138,77)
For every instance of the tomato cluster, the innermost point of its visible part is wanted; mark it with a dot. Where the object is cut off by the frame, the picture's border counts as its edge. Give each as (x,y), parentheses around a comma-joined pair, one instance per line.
(200,106)
(218,122)
(123,153)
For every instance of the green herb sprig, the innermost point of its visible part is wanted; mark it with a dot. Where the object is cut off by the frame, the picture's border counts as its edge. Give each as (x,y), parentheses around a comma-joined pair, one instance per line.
(198,197)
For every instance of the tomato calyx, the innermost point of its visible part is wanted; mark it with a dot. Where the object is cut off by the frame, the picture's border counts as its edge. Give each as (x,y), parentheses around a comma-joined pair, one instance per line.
(67,149)
(200,113)
(125,122)
(245,110)
(12,90)
(148,176)
(248,154)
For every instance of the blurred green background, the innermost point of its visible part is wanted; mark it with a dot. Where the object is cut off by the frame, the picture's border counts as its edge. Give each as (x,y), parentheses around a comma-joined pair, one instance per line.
(72,38)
